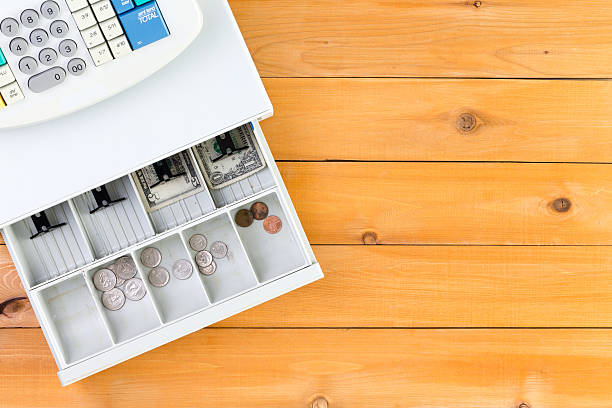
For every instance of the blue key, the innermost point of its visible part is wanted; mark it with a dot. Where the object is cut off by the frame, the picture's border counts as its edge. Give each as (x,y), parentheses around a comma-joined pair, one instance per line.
(2,59)
(121,6)
(144,25)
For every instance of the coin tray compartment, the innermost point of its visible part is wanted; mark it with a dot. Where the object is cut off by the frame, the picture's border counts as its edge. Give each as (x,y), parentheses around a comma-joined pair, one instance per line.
(234,273)
(272,255)
(73,319)
(179,297)
(133,319)
(118,226)
(184,210)
(51,254)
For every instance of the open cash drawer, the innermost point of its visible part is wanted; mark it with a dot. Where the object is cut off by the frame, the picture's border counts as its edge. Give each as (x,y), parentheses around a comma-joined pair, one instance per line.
(81,197)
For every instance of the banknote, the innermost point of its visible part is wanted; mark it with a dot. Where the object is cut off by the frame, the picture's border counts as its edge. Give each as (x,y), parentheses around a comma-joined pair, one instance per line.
(168,181)
(230,157)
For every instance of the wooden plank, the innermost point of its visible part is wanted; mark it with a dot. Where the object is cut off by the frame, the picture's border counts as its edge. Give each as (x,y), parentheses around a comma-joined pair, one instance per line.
(408,119)
(436,38)
(351,368)
(440,286)
(451,203)
(15,309)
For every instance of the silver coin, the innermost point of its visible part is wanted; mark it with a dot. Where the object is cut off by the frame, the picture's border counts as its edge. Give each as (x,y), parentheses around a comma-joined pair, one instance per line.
(159,277)
(114,299)
(208,270)
(182,269)
(104,280)
(135,289)
(203,258)
(150,257)
(119,282)
(125,268)
(198,242)
(218,249)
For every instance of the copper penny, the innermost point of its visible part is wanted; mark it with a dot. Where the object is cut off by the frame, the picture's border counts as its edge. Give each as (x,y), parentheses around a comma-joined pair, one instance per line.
(244,218)
(259,211)
(273,224)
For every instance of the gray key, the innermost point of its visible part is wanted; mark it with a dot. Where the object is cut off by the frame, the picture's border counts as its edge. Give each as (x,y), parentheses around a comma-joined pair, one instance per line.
(29,18)
(50,9)
(19,46)
(59,29)
(68,48)
(48,56)
(47,79)
(39,37)
(28,65)
(76,67)
(9,27)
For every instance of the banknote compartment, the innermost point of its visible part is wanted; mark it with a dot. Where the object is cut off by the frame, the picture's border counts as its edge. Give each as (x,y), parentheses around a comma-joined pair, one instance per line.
(178,297)
(74,322)
(51,254)
(234,273)
(115,225)
(133,319)
(272,255)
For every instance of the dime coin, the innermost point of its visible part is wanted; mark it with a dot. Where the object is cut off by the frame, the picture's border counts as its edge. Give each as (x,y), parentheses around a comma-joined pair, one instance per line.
(104,280)
(244,218)
(125,268)
(218,249)
(135,289)
(159,277)
(259,210)
(198,242)
(114,299)
(203,258)
(182,269)
(273,224)
(150,257)
(208,270)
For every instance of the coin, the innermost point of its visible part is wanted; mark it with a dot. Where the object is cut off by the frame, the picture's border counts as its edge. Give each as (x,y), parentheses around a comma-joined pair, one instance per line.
(159,277)
(150,257)
(273,224)
(259,210)
(119,282)
(104,280)
(203,258)
(125,268)
(182,269)
(198,242)
(114,299)
(244,218)
(208,270)
(218,249)
(135,289)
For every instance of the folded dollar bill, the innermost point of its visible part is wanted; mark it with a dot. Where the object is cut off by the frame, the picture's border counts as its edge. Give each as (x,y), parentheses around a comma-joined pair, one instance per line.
(230,157)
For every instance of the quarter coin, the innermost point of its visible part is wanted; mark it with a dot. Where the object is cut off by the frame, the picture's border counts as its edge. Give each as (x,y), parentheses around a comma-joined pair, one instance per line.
(182,269)
(218,249)
(125,268)
(203,258)
(135,289)
(150,257)
(114,299)
(104,280)
(244,218)
(198,242)
(159,277)
(259,210)
(208,270)
(273,224)
(119,282)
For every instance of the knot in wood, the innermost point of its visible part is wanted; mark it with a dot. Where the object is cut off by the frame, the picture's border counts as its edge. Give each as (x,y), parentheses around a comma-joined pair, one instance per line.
(562,205)
(320,403)
(523,405)
(466,122)
(477,3)
(369,238)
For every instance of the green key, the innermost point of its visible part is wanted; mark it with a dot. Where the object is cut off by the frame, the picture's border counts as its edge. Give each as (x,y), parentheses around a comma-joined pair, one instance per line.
(140,2)
(2,59)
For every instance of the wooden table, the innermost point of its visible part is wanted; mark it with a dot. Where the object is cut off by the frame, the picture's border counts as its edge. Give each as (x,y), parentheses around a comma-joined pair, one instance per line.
(451,167)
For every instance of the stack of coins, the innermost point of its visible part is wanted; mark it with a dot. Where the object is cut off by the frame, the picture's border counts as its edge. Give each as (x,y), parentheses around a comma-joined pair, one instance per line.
(159,276)
(244,218)
(118,282)
(205,259)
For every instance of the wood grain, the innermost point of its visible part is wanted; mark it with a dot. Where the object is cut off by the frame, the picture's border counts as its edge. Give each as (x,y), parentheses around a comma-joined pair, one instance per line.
(452,203)
(408,120)
(351,368)
(436,38)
